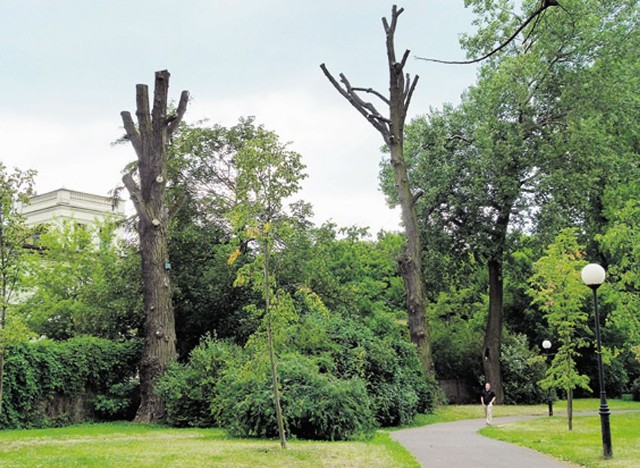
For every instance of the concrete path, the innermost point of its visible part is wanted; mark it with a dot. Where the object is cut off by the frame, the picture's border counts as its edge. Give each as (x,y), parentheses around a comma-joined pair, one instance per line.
(457,445)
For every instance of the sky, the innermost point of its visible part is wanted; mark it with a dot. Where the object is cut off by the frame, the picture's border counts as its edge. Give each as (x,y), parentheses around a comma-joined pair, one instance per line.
(69,67)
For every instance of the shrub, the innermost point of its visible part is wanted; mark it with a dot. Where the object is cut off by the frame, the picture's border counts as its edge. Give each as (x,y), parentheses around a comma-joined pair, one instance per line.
(379,352)
(315,405)
(339,377)
(189,388)
(522,369)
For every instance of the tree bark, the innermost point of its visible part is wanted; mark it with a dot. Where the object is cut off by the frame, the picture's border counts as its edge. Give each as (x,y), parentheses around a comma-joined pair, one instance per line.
(149,141)
(391,128)
(493,334)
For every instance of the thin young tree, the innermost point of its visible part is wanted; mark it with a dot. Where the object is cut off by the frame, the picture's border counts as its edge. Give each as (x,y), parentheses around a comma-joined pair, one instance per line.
(556,288)
(266,174)
(401,88)
(15,187)
(149,140)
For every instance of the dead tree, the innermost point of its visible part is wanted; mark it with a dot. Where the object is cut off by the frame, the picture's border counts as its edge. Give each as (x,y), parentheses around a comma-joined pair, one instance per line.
(391,128)
(149,140)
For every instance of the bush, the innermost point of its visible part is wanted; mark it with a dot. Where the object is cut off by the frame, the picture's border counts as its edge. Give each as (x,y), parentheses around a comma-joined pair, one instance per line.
(522,369)
(315,405)
(51,383)
(189,388)
(339,377)
(379,352)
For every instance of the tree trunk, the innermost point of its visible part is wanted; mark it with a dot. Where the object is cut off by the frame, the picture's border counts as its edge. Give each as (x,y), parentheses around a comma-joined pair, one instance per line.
(493,334)
(570,408)
(272,357)
(401,88)
(411,264)
(2,353)
(149,140)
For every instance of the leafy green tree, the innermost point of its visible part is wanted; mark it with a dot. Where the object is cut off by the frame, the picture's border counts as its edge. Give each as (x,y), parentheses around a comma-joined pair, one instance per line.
(556,287)
(15,186)
(83,282)
(267,174)
(514,155)
(620,243)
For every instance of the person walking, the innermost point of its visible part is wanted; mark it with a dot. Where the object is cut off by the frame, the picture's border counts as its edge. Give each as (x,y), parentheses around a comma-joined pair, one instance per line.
(488,398)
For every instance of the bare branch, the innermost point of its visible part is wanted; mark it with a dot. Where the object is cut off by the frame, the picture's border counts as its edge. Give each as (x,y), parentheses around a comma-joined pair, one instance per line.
(136,195)
(132,133)
(416,196)
(405,56)
(545,4)
(382,97)
(142,109)
(409,94)
(175,120)
(366,105)
(369,112)
(160,98)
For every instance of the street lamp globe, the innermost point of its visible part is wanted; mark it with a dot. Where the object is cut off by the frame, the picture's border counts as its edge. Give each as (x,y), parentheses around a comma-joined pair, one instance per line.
(593,275)
(546,344)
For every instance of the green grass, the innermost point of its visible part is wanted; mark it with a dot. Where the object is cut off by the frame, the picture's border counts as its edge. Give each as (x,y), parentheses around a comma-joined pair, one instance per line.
(459,412)
(582,445)
(128,444)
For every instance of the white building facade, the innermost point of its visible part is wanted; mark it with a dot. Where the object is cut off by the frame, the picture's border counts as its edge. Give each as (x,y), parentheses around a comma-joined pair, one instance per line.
(64,204)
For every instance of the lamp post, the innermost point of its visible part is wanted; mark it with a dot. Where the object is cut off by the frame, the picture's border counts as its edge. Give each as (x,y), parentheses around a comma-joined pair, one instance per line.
(546,344)
(593,276)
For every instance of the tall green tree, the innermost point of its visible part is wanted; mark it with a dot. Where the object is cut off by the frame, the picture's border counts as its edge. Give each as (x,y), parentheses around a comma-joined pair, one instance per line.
(15,187)
(513,154)
(557,289)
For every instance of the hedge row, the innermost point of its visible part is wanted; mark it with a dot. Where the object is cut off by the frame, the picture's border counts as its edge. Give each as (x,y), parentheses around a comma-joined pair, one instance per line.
(50,383)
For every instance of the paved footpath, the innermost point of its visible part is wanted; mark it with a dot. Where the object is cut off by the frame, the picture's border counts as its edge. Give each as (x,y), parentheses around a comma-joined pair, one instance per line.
(458,445)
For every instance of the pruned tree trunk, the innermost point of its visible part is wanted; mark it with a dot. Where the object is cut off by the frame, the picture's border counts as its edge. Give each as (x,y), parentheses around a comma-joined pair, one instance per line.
(391,128)
(149,141)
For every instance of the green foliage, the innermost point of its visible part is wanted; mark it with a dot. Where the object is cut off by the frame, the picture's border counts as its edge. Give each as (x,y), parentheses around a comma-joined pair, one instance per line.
(315,405)
(334,366)
(82,282)
(205,300)
(558,291)
(46,381)
(189,388)
(522,369)
(635,389)
(378,351)
(15,189)
(457,320)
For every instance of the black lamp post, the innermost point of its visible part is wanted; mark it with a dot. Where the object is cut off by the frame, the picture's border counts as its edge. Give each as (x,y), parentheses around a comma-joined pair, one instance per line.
(593,276)
(546,344)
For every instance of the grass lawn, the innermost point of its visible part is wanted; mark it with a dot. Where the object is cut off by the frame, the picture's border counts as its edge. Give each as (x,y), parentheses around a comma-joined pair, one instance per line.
(128,444)
(583,445)
(459,412)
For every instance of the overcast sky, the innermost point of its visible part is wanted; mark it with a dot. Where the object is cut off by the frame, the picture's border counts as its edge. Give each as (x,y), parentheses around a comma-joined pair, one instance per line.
(68,67)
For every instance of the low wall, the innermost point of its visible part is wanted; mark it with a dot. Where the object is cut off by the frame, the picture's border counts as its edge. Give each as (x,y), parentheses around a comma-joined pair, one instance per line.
(457,392)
